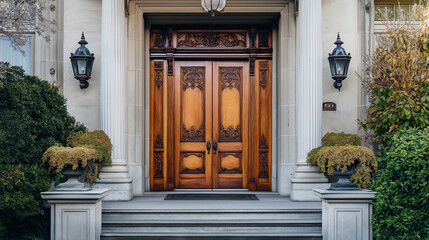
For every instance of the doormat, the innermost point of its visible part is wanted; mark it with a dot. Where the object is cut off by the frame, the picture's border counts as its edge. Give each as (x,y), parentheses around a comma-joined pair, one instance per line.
(211,197)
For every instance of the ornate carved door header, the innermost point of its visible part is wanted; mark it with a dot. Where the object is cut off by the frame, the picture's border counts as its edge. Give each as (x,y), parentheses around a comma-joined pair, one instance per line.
(227,41)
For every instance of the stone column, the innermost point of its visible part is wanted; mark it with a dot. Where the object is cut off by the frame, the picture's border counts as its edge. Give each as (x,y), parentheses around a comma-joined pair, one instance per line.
(113,99)
(309,99)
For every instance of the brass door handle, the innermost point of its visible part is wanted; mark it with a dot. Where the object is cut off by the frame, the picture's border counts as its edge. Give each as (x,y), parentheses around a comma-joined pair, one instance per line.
(208,147)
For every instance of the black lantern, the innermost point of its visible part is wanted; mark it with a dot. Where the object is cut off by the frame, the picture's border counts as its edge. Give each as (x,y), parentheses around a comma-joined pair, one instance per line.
(339,62)
(82,61)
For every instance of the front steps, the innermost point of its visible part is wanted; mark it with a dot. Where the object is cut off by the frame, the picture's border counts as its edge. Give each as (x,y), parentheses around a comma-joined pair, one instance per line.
(209,220)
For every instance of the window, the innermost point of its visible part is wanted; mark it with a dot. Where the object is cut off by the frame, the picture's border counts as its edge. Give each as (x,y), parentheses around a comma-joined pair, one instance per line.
(14,57)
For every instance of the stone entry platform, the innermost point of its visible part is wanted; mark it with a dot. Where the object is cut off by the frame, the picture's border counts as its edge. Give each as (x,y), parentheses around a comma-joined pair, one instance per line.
(271,217)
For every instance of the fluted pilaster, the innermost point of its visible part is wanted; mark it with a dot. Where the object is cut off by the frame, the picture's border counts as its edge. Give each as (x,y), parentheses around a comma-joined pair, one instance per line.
(309,98)
(113,99)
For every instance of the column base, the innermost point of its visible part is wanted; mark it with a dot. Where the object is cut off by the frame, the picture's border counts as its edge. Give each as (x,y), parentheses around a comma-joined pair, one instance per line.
(117,179)
(306,179)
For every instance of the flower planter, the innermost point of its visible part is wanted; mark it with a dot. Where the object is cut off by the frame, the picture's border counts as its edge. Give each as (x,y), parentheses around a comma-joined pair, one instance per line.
(73,183)
(343,182)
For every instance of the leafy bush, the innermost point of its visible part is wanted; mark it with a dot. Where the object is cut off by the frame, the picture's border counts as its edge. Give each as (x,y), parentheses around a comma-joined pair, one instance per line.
(397,81)
(97,140)
(20,188)
(33,117)
(341,139)
(60,157)
(401,205)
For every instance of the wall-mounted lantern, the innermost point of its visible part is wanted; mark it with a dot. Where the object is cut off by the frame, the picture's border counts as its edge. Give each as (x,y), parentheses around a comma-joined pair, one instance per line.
(213,6)
(339,62)
(82,61)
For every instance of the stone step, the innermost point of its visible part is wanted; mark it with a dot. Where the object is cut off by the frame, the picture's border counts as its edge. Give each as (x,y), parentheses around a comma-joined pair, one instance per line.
(213,236)
(202,214)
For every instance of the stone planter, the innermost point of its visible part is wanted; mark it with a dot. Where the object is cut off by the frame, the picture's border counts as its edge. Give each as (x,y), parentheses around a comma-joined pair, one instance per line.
(73,183)
(343,182)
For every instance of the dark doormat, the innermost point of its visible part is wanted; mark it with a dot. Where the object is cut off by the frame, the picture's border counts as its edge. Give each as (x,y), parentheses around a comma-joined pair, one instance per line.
(211,197)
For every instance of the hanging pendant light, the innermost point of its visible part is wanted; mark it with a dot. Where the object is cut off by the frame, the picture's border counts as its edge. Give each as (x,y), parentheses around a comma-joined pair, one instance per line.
(213,6)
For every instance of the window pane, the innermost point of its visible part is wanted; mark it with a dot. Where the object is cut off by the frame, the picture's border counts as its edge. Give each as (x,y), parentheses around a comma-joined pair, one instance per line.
(402,11)
(14,57)
(384,12)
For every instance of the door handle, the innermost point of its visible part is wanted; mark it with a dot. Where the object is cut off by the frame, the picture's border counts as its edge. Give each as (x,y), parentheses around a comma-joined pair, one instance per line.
(208,147)
(214,147)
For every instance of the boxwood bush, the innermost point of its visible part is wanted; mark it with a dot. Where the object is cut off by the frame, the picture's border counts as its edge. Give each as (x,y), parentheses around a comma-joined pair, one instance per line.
(33,117)
(401,205)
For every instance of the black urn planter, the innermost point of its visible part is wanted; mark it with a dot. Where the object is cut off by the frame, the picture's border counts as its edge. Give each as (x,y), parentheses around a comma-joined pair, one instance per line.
(343,182)
(73,183)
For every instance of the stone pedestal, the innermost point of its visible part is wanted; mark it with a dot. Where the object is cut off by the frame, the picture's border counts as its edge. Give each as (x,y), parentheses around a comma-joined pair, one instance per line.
(346,214)
(75,214)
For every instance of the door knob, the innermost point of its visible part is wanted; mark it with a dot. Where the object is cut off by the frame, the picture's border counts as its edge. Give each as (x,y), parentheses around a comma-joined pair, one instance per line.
(208,147)
(214,147)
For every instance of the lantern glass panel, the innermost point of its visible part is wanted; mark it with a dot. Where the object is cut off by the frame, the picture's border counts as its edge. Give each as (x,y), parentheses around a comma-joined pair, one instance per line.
(74,65)
(88,74)
(81,64)
(339,67)
(346,66)
(332,65)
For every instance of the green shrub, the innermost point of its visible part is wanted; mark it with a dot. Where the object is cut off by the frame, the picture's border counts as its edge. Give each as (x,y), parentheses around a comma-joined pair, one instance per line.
(20,188)
(33,117)
(397,81)
(401,205)
(88,158)
(97,140)
(341,139)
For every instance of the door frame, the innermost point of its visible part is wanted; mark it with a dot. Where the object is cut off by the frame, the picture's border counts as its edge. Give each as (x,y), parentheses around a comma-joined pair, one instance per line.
(283,19)
(251,44)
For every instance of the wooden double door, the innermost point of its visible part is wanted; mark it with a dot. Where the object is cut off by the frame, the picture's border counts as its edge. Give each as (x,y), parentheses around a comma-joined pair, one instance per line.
(211,119)
(210,125)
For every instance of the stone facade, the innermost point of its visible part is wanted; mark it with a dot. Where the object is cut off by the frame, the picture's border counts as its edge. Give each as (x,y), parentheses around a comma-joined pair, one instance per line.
(118,35)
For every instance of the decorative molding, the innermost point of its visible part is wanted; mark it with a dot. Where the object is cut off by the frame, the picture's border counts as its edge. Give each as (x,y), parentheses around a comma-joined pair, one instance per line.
(211,40)
(193,134)
(263,74)
(252,38)
(158,165)
(170,61)
(158,40)
(263,142)
(263,165)
(230,77)
(252,66)
(192,171)
(159,74)
(193,77)
(170,38)
(229,134)
(158,142)
(263,39)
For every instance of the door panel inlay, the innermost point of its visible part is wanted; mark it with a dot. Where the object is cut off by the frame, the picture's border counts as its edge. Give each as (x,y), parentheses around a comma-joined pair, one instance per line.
(230,162)
(230,77)
(193,78)
(263,165)
(159,162)
(192,163)
(229,134)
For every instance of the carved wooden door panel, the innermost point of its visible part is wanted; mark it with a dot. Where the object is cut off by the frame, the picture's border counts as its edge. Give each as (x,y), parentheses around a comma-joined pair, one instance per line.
(230,124)
(193,124)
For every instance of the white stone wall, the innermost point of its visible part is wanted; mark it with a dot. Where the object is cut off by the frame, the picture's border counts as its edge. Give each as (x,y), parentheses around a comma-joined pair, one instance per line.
(344,16)
(347,18)
(78,16)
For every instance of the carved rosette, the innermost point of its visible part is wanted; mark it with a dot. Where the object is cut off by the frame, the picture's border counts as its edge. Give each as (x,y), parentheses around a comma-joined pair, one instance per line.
(193,134)
(263,165)
(193,78)
(230,77)
(159,162)
(229,134)
(211,40)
